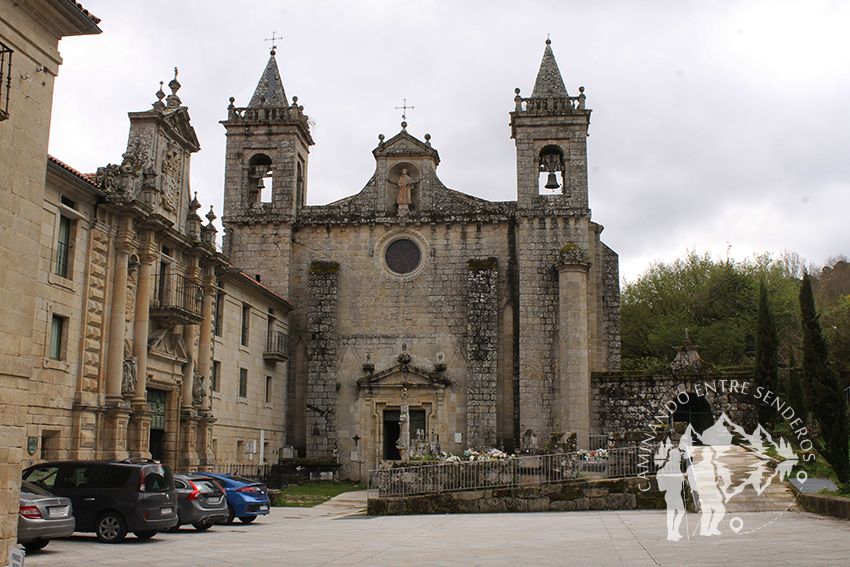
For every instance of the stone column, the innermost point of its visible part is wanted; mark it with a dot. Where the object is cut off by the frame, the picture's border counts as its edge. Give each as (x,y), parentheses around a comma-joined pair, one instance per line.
(117,410)
(140,422)
(205,349)
(188,458)
(574,375)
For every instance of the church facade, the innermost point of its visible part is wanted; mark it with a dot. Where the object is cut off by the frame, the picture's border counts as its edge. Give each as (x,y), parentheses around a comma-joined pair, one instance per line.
(478,323)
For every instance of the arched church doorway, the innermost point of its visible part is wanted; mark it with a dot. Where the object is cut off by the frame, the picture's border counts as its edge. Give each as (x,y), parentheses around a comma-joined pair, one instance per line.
(697,412)
(392,430)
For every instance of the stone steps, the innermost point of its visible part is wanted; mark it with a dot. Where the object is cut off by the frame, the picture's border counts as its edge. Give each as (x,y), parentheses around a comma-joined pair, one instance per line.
(736,466)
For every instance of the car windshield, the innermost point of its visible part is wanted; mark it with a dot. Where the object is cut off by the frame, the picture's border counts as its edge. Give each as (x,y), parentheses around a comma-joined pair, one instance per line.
(30,488)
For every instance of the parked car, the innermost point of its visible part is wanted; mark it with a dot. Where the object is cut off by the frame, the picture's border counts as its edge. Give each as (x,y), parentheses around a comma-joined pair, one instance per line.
(246,499)
(111,499)
(43,516)
(200,502)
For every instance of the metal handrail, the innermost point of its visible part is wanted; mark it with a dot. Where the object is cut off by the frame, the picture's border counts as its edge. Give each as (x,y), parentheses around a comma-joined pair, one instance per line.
(278,343)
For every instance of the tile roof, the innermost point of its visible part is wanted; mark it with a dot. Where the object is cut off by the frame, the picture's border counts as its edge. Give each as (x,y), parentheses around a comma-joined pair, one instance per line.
(87,177)
(88,14)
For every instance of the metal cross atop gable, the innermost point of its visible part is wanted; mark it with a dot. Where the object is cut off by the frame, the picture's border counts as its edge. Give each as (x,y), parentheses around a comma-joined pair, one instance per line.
(272,39)
(404,109)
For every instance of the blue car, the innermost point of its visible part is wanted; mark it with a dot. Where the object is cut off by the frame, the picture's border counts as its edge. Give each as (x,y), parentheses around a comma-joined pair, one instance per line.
(246,499)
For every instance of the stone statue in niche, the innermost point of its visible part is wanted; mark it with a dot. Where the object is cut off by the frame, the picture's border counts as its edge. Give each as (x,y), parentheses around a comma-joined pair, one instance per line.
(405,186)
(128,378)
(199,387)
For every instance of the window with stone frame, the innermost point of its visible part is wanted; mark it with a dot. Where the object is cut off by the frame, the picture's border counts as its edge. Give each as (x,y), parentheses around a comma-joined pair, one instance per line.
(62,255)
(243,382)
(5,79)
(215,377)
(218,313)
(268,389)
(246,316)
(58,334)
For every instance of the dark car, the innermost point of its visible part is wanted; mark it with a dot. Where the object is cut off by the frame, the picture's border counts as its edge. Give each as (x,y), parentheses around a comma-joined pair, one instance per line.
(200,502)
(111,499)
(246,499)
(43,516)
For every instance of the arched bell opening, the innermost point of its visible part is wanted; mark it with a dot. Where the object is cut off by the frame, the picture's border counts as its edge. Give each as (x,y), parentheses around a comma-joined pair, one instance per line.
(551,163)
(260,179)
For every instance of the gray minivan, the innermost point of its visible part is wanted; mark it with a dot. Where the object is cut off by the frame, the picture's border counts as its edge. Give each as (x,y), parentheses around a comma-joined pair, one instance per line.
(111,499)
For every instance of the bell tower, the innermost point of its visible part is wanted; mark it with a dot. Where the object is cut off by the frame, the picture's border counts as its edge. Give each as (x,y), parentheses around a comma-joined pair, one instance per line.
(550,131)
(268,143)
(265,182)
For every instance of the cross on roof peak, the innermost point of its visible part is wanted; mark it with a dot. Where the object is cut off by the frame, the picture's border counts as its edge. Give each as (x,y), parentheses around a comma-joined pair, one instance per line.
(272,39)
(404,108)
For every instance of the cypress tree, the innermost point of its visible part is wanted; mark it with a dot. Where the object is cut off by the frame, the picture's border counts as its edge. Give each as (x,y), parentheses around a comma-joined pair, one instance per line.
(766,367)
(794,390)
(824,394)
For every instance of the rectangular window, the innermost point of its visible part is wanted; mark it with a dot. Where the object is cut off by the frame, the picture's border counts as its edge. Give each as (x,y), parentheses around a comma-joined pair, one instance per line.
(246,314)
(218,315)
(57,337)
(5,80)
(268,389)
(214,379)
(243,382)
(63,247)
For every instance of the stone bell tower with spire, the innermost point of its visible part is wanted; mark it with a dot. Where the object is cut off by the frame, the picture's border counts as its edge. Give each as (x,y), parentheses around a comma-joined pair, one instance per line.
(268,144)
(568,278)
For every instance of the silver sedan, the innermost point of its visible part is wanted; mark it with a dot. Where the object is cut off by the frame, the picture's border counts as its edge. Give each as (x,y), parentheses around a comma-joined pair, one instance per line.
(43,516)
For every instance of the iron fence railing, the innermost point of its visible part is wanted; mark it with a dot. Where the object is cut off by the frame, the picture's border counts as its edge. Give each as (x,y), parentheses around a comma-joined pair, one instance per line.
(509,473)
(176,291)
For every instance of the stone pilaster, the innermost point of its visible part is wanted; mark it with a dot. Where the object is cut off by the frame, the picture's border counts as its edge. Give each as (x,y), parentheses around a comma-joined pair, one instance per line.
(323,307)
(482,360)
(574,376)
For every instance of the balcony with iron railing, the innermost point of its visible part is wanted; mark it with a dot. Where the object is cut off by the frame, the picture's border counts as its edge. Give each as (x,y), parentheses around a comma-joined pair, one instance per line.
(177,301)
(277,347)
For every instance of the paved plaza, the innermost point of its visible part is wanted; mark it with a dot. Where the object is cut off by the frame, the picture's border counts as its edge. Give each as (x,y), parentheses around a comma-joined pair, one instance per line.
(334,534)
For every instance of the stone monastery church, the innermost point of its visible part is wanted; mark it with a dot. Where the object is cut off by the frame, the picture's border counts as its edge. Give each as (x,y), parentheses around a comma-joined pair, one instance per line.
(479,322)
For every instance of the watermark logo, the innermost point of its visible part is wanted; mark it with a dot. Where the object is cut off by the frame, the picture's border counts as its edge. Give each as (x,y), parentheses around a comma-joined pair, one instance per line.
(724,477)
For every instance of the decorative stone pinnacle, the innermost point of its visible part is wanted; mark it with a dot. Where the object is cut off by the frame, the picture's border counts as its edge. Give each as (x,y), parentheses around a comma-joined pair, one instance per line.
(211,215)
(174,85)
(195,204)
(159,96)
(404,126)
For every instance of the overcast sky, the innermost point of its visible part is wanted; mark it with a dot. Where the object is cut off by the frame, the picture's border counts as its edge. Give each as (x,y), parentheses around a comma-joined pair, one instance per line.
(716,125)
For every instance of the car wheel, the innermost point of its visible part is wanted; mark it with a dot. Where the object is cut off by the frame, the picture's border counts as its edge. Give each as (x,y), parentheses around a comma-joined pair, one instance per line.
(247,519)
(35,544)
(231,515)
(146,534)
(110,528)
(203,527)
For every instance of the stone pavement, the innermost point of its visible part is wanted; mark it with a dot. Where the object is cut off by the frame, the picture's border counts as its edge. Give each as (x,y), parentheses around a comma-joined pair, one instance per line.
(334,534)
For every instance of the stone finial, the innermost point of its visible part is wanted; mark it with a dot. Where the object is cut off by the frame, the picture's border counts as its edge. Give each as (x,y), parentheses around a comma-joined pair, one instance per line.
(159,105)
(368,366)
(210,215)
(195,204)
(173,100)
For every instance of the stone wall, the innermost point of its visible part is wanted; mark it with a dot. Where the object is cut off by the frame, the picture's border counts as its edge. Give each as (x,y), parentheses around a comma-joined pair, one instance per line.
(629,402)
(607,494)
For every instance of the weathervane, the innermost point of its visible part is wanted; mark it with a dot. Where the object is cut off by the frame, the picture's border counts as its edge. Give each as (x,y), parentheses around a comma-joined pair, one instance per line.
(272,39)
(404,109)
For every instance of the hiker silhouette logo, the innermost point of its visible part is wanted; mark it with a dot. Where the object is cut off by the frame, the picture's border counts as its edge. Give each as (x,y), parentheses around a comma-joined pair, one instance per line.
(723,477)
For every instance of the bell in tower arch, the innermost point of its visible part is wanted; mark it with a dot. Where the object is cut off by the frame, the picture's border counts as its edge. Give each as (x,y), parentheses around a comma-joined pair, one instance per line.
(551,162)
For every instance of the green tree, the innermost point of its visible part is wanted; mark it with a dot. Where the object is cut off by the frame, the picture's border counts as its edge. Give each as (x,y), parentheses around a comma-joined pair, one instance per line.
(766,367)
(824,394)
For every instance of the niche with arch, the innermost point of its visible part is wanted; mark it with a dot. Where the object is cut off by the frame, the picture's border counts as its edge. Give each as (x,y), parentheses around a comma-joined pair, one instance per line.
(260,179)
(403,188)
(551,163)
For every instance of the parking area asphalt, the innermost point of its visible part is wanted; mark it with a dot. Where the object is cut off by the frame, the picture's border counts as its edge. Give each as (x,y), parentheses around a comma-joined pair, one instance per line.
(338,534)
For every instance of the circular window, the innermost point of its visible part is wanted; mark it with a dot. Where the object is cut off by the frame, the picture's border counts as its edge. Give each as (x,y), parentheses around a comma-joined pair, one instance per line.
(403,256)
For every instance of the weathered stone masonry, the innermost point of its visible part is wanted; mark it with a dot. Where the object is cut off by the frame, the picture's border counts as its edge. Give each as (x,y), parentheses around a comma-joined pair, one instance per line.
(481,338)
(321,353)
